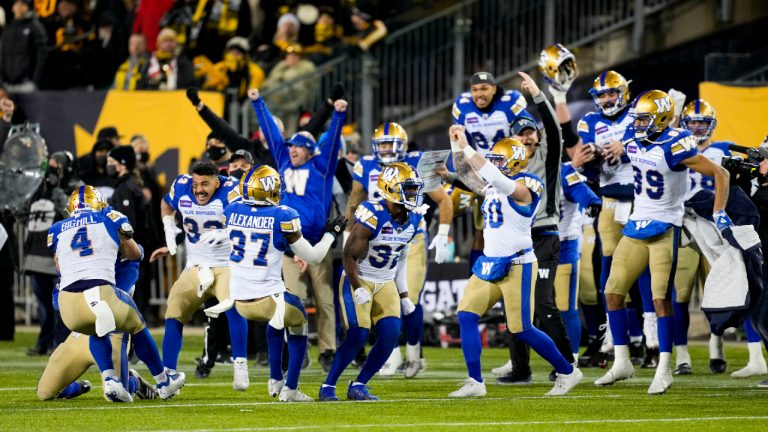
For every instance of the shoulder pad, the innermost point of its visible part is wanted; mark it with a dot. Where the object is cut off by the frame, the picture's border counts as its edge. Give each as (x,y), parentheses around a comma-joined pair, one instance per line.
(506,98)
(358,169)
(368,158)
(114,215)
(532,182)
(49,241)
(366,216)
(464,100)
(467,95)
(684,144)
(183,179)
(583,126)
(378,206)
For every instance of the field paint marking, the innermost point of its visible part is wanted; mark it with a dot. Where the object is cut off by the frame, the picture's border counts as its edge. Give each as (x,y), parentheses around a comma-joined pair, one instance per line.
(510,423)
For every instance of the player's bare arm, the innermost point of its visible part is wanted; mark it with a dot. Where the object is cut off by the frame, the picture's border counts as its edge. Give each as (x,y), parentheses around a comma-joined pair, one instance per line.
(706,167)
(355,248)
(464,170)
(356,196)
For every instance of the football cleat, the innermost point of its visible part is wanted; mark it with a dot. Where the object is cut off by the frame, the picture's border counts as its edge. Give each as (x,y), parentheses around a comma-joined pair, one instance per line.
(636,353)
(328,394)
(565,382)
(661,382)
(621,370)
(471,388)
(717,366)
(201,370)
(750,370)
(515,378)
(393,362)
(651,359)
(502,370)
(326,360)
(607,345)
(83,388)
(413,360)
(241,381)
(552,377)
(145,390)
(360,392)
(288,395)
(114,391)
(763,384)
(651,330)
(173,382)
(275,386)
(683,369)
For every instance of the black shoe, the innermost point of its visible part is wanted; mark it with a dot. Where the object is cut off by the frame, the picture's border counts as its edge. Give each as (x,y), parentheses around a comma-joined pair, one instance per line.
(37,351)
(262,359)
(85,387)
(717,365)
(224,358)
(552,376)
(145,389)
(307,361)
(202,370)
(636,353)
(651,359)
(515,378)
(683,369)
(587,358)
(132,357)
(360,359)
(326,359)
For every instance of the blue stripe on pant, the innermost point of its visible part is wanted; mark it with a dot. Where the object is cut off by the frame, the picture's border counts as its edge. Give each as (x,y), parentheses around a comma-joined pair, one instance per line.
(349,301)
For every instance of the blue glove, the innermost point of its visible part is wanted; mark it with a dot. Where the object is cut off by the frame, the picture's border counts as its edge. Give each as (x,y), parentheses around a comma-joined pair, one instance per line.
(722,220)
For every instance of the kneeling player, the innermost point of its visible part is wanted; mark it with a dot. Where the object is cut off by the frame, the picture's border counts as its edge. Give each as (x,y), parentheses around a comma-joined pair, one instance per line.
(508,268)
(367,290)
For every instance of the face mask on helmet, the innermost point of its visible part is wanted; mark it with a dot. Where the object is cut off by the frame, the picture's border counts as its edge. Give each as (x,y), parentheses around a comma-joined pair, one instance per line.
(410,192)
(643,125)
(388,152)
(609,101)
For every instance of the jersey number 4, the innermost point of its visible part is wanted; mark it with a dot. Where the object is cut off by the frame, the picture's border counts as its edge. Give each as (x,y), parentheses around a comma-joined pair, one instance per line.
(80,241)
(262,241)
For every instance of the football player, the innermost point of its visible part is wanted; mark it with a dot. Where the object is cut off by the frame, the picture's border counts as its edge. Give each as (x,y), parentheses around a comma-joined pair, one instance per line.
(660,156)
(308,170)
(507,270)
(200,198)
(575,198)
(368,294)
(260,230)
(390,145)
(86,247)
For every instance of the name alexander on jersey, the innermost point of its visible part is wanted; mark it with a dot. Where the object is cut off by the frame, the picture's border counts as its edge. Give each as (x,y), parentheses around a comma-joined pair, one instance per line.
(246,221)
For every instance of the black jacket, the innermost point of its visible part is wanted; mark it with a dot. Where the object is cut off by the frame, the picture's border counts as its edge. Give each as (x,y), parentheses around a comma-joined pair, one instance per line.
(23,51)
(234,141)
(129,200)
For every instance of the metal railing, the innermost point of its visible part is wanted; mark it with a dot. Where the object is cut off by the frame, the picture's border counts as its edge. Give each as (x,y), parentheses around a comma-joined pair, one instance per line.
(420,69)
(744,68)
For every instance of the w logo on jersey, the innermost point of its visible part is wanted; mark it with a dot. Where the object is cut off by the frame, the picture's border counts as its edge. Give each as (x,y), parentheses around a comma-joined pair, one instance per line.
(389,174)
(641,224)
(268,183)
(296,181)
(663,104)
(487,267)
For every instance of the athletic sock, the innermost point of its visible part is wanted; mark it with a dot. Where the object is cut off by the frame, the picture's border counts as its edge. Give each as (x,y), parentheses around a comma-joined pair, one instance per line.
(617,320)
(101,350)
(238,333)
(297,346)
(146,351)
(665,334)
(356,338)
(646,294)
(388,332)
(172,343)
(414,325)
(543,345)
(470,344)
(275,341)
(682,355)
(72,388)
(682,322)
(633,323)
(752,334)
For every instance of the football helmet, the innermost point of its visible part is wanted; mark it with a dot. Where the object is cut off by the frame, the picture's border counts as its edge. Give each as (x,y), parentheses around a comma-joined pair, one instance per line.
(699,111)
(392,134)
(86,197)
(509,155)
(558,67)
(655,109)
(399,183)
(261,185)
(606,82)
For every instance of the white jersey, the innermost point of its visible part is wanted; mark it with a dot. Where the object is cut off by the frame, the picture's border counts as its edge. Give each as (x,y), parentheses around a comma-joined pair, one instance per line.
(86,245)
(575,195)
(368,169)
(388,241)
(661,180)
(715,152)
(198,219)
(507,224)
(486,127)
(599,130)
(257,239)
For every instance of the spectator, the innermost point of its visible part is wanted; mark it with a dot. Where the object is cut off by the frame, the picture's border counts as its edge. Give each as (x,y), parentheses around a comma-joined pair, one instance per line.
(103,55)
(23,50)
(166,69)
(217,152)
(148,15)
(289,99)
(287,34)
(128,73)
(328,36)
(239,163)
(67,34)
(369,30)
(96,175)
(236,71)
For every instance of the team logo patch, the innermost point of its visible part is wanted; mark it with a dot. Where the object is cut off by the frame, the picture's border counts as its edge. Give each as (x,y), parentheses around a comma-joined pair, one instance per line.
(601,130)
(632,149)
(472,120)
(185,203)
(387,230)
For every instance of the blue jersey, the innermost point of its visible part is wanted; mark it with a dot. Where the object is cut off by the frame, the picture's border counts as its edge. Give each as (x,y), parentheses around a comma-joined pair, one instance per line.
(485,127)
(309,187)
(86,245)
(616,176)
(198,219)
(257,238)
(368,169)
(661,180)
(715,152)
(575,196)
(387,242)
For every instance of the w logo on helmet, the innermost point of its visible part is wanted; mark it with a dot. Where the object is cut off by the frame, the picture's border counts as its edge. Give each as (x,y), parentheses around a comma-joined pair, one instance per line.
(519,153)
(268,183)
(663,104)
(389,174)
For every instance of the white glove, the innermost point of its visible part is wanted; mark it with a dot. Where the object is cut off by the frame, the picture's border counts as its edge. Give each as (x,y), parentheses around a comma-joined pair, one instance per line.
(407,306)
(213,237)
(678,98)
(440,243)
(362,296)
(557,95)
(169,227)
(422,209)
(205,276)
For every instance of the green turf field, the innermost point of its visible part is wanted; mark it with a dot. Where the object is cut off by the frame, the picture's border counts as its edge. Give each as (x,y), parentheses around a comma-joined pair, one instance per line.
(701,402)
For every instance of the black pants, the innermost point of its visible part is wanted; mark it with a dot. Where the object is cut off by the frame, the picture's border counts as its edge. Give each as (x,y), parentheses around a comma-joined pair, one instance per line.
(215,336)
(42,287)
(546,315)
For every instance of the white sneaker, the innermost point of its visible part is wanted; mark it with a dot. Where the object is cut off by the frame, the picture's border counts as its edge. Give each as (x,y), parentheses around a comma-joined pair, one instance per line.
(115,392)
(661,382)
(607,345)
(274,386)
(393,362)
(620,370)
(174,381)
(502,370)
(750,370)
(470,388)
(241,381)
(651,330)
(288,395)
(412,360)
(564,383)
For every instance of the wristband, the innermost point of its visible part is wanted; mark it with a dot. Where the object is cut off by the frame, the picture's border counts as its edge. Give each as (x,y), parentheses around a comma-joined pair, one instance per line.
(469,152)
(455,146)
(443,229)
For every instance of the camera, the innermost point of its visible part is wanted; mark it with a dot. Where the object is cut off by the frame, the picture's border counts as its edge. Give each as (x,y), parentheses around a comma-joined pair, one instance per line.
(741,168)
